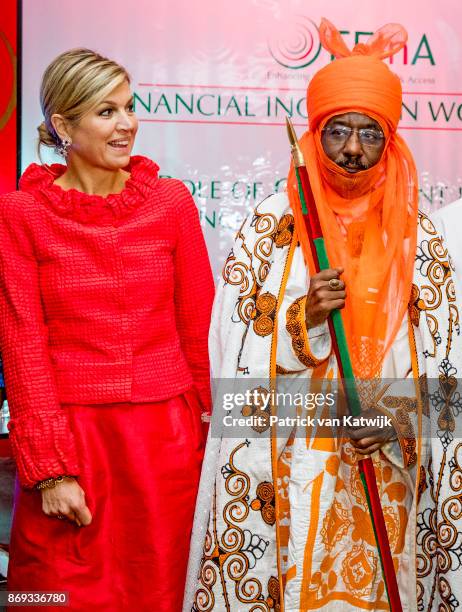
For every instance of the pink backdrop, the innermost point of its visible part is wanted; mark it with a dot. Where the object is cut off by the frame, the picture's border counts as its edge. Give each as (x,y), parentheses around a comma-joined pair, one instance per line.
(214,81)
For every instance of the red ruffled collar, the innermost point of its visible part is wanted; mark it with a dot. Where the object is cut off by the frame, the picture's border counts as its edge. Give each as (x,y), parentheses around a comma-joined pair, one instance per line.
(39,181)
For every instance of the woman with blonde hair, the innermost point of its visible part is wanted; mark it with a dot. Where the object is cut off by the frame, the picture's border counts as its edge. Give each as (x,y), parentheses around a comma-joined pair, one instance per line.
(106,293)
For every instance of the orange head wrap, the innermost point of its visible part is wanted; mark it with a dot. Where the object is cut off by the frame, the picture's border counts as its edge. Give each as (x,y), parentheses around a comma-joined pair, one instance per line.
(369,218)
(361,80)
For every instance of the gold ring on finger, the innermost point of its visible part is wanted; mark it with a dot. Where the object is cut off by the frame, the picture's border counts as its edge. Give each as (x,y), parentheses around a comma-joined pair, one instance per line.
(334,283)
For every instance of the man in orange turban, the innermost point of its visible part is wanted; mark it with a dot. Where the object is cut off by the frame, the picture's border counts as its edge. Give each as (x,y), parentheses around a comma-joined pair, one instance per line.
(282,522)
(364,182)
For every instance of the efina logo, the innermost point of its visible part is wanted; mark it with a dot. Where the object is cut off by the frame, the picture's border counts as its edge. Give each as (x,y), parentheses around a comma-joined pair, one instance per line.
(299,46)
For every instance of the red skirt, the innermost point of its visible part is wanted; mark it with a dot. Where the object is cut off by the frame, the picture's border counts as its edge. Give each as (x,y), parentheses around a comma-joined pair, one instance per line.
(140,467)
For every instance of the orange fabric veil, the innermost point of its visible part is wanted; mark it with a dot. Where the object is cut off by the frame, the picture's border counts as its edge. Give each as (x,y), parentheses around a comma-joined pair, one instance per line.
(369,219)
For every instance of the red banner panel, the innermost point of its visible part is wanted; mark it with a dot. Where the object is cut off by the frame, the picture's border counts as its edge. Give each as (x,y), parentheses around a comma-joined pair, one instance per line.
(8,79)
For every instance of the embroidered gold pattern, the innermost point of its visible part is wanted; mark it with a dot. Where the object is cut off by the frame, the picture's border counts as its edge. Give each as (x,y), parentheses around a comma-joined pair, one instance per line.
(259,408)
(265,502)
(229,558)
(274,594)
(403,425)
(250,267)
(265,311)
(433,263)
(439,556)
(415,306)
(294,325)
(284,231)
(282,370)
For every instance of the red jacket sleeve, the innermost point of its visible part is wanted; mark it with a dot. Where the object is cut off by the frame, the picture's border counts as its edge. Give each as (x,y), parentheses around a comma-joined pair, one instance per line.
(41,439)
(194,291)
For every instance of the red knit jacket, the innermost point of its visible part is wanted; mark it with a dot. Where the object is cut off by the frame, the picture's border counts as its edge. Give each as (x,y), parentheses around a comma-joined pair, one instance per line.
(103,300)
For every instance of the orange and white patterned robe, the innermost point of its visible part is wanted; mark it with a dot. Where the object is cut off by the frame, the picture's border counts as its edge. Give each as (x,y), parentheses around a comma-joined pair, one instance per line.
(282,520)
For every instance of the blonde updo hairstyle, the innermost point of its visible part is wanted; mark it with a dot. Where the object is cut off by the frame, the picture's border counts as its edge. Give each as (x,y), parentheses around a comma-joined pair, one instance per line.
(75,82)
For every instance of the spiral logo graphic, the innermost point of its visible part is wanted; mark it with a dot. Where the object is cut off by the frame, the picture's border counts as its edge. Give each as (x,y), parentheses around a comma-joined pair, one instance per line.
(299,46)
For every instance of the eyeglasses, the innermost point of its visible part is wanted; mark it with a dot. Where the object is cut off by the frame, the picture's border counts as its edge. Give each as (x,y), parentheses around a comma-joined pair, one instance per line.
(368,137)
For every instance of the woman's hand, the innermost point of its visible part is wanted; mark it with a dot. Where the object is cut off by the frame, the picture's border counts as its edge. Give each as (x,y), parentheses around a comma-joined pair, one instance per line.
(66,500)
(324,297)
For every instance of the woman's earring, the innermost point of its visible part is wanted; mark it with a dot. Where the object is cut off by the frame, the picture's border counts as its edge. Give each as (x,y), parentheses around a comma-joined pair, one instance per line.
(63,148)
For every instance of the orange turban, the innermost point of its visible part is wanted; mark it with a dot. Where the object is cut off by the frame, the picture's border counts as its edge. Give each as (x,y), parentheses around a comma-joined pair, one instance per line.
(369,218)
